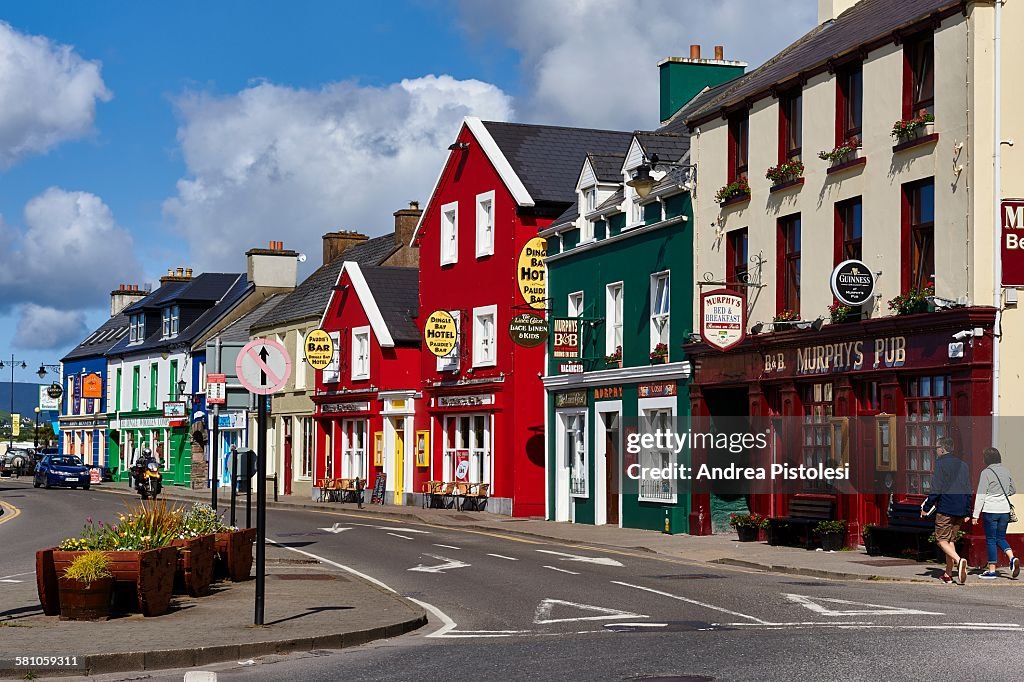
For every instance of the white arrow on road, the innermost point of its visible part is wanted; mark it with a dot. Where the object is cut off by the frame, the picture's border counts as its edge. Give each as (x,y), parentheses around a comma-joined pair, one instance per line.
(604,561)
(335,529)
(10,581)
(447,565)
(875,610)
(543,614)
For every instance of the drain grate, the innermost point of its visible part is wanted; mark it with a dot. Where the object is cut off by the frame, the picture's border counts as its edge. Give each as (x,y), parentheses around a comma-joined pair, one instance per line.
(308,576)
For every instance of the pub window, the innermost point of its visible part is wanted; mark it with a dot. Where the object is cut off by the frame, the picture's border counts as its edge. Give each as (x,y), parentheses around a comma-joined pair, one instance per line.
(927,401)
(789,264)
(919,234)
(738,146)
(919,76)
(575,444)
(850,105)
(467,438)
(353,448)
(817,431)
(848,230)
(653,421)
(361,353)
(790,126)
(485,224)
(736,255)
(450,233)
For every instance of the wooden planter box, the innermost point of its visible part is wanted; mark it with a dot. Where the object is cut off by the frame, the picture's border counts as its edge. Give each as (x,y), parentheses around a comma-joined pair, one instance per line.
(142,579)
(194,571)
(234,554)
(85,601)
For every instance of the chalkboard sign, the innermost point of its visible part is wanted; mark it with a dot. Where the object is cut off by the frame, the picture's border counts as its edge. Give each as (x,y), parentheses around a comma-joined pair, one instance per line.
(378,489)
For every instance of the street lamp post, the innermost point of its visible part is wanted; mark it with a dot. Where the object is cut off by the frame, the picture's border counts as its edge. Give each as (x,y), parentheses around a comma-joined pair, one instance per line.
(14,362)
(35,435)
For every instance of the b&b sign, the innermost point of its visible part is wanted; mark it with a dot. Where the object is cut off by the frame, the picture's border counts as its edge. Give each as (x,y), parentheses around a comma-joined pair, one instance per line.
(1013,242)
(723,319)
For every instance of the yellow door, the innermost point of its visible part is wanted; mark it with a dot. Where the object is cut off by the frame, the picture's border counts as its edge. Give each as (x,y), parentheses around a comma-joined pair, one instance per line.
(399,464)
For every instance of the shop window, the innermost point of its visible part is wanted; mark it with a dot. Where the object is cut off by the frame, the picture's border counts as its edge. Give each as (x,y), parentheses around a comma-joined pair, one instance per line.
(918,234)
(485,224)
(653,421)
(817,430)
(353,448)
(467,438)
(919,76)
(850,103)
(450,233)
(790,126)
(575,452)
(360,353)
(736,255)
(927,401)
(660,302)
(306,470)
(848,230)
(613,318)
(484,336)
(738,146)
(788,268)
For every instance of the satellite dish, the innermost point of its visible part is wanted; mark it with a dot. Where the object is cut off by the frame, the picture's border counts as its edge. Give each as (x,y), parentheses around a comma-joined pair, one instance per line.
(302,258)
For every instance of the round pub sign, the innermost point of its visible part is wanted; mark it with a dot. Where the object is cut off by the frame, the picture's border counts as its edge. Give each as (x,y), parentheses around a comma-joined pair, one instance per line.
(528,330)
(319,349)
(55,390)
(440,333)
(852,282)
(531,272)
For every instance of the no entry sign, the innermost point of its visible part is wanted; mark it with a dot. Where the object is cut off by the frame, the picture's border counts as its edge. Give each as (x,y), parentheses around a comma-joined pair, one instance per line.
(263,366)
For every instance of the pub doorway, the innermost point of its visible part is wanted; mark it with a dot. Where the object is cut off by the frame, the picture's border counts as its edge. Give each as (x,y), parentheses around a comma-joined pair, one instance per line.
(729,409)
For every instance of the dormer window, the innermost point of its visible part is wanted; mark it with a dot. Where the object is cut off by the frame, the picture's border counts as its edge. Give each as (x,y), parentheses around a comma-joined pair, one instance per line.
(171,317)
(136,328)
(590,199)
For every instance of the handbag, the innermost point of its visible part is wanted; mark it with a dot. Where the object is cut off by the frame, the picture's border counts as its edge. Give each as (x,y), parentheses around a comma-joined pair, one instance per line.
(1013,512)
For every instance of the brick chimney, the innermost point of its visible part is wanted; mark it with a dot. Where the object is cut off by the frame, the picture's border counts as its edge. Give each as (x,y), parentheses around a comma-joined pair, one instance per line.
(830,9)
(273,266)
(406,220)
(683,78)
(125,295)
(337,243)
(177,275)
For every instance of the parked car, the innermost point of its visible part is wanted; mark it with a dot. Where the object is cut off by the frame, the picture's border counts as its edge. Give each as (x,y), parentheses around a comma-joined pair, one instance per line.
(20,461)
(61,470)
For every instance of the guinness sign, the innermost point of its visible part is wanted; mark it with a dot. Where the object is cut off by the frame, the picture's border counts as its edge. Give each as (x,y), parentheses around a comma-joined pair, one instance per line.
(852,283)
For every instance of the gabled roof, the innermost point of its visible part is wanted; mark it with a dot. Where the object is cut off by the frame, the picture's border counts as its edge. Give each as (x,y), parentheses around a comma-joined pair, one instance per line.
(309,299)
(607,167)
(238,331)
(101,340)
(389,297)
(668,146)
(866,22)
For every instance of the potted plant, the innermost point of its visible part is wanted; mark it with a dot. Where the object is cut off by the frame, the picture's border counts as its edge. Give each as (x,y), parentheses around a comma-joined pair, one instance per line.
(747,525)
(734,190)
(839,312)
(870,541)
(906,129)
(913,301)
(659,355)
(787,171)
(785,320)
(842,152)
(86,587)
(831,534)
(196,540)
(615,358)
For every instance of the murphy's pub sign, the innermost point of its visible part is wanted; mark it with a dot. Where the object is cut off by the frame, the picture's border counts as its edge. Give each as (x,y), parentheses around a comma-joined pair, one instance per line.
(888,352)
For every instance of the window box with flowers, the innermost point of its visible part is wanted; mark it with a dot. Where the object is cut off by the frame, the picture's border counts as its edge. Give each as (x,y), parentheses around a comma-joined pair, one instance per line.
(733,193)
(845,155)
(785,175)
(748,525)
(659,356)
(914,131)
(615,359)
(787,319)
(913,301)
(840,312)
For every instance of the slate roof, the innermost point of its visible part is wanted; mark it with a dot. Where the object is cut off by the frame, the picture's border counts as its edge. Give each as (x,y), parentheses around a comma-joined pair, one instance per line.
(397,293)
(238,331)
(310,298)
(101,339)
(607,167)
(613,200)
(668,146)
(867,21)
(570,214)
(547,159)
(204,288)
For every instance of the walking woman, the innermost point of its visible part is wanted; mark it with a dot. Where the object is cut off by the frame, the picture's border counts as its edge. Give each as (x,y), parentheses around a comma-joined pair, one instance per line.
(992,506)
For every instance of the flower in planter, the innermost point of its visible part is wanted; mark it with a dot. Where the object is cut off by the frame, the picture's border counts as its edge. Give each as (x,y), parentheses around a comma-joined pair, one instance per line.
(830,527)
(748,521)
(660,351)
(786,316)
(841,151)
(903,129)
(783,172)
(912,301)
(732,190)
(614,357)
(838,312)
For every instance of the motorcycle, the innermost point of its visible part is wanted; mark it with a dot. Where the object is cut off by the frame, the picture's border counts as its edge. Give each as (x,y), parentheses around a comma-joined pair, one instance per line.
(148,479)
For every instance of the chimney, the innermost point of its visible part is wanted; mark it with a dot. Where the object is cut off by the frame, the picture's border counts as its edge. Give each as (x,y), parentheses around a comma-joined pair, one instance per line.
(177,275)
(123,296)
(683,78)
(406,220)
(273,267)
(337,243)
(830,9)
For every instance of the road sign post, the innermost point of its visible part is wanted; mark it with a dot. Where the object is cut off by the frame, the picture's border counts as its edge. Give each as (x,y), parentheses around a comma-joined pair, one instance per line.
(261,508)
(234,482)
(215,457)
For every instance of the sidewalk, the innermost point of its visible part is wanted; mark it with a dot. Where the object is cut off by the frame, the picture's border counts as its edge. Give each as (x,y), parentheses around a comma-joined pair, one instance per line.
(308,606)
(713,549)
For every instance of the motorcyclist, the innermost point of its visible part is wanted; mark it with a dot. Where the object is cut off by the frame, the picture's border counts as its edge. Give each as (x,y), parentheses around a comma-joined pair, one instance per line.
(142,462)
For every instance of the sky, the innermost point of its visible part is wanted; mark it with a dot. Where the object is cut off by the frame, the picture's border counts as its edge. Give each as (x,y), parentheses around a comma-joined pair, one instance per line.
(137,137)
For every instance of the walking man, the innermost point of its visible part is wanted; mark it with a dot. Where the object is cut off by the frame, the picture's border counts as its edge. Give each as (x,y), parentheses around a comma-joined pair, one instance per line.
(950,500)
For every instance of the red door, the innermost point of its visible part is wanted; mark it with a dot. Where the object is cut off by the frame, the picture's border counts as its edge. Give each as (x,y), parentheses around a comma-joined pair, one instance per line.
(287,455)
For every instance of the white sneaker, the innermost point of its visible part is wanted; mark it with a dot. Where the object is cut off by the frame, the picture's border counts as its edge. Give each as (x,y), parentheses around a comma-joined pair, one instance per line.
(1014,567)
(961,571)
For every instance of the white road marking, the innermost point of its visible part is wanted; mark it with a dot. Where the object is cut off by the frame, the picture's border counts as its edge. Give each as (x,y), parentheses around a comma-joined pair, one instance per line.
(446,546)
(692,601)
(335,529)
(542,616)
(17,575)
(989,625)
(872,626)
(447,624)
(502,556)
(562,570)
(404,530)
(347,569)
(875,610)
(636,625)
(447,565)
(7,580)
(404,537)
(604,561)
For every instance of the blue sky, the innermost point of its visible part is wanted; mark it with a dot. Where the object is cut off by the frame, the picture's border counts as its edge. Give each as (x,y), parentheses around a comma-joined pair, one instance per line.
(157,135)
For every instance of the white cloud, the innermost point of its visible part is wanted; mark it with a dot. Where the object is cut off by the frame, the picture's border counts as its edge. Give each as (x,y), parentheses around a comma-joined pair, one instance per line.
(594,62)
(275,162)
(49,94)
(47,328)
(67,256)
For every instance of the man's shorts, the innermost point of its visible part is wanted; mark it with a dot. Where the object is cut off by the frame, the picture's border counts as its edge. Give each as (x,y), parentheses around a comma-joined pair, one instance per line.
(947,527)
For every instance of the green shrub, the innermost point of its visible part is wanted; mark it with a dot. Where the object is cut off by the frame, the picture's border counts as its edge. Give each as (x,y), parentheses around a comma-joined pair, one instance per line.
(89,567)
(831,527)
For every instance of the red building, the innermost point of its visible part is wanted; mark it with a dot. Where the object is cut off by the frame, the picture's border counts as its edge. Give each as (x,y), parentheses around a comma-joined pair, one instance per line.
(479,253)
(366,399)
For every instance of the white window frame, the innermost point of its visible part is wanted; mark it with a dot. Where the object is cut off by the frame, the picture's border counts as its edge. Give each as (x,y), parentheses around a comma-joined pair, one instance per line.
(657,490)
(450,362)
(300,363)
(166,320)
(479,456)
(634,210)
(175,320)
(661,322)
(614,312)
(360,353)
(576,302)
(586,225)
(353,448)
(485,343)
(136,324)
(485,224)
(450,233)
(577,459)
(332,372)
(307,458)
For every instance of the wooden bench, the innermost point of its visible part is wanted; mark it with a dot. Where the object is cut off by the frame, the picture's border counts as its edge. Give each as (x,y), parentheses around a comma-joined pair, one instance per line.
(797,529)
(907,534)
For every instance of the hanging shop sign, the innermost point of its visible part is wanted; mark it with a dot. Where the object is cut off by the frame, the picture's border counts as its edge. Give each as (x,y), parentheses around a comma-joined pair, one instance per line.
(723,318)
(528,330)
(852,283)
(571,399)
(55,391)
(567,338)
(661,389)
(465,400)
(531,272)
(332,408)
(319,349)
(47,403)
(92,386)
(1012,238)
(440,333)
(174,409)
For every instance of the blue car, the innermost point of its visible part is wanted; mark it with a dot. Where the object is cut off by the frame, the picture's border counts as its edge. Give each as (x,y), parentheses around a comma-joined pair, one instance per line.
(61,470)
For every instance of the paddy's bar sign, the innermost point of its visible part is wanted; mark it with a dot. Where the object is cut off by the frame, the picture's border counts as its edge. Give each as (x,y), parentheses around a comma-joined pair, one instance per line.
(723,319)
(531,272)
(842,356)
(441,333)
(1013,242)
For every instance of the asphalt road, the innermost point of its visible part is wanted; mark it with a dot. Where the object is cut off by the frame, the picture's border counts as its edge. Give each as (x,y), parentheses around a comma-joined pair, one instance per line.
(507,607)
